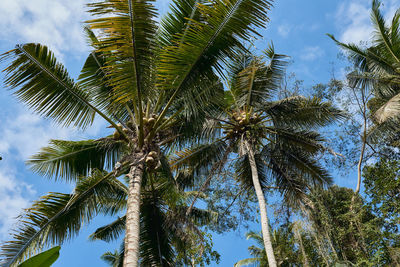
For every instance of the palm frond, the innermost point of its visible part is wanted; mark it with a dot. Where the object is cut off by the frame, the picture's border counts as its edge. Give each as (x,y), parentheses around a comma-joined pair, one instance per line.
(199,158)
(127,36)
(244,174)
(68,160)
(308,141)
(247,262)
(302,112)
(109,232)
(94,80)
(177,20)
(57,217)
(207,42)
(382,37)
(45,86)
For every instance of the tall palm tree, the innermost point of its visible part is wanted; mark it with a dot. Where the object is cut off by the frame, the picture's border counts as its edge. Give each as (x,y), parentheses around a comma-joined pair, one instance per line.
(165,229)
(145,78)
(378,69)
(272,138)
(56,217)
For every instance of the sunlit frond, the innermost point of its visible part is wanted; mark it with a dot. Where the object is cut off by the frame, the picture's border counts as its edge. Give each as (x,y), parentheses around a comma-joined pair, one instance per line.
(68,160)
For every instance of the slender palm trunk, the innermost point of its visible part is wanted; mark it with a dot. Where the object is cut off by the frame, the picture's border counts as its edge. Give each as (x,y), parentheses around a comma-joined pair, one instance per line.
(131,257)
(263,208)
(303,251)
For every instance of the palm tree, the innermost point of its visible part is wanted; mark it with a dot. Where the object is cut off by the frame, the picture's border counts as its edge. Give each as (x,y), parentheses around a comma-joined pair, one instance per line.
(273,138)
(283,241)
(146,79)
(377,68)
(165,230)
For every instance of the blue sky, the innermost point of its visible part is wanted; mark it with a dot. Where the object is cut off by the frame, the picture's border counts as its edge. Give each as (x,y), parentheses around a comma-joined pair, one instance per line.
(297,28)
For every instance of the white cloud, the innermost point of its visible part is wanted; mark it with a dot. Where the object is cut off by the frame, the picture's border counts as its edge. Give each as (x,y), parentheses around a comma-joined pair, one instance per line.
(22,135)
(25,133)
(56,23)
(14,196)
(311,53)
(353,19)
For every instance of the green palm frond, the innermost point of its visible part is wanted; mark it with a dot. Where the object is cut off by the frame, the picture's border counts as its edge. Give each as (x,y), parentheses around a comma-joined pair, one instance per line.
(45,86)
(381,35)
(127,36)
(177,21)
(116,258)
(302,112)
(308,141)
(256,236)
(58,217)
(109,232)
(360,56)
(155,241)
(205,43)
(94,80)
(258,80)
(247,262)
(199,158)
(68,160)
(244,175)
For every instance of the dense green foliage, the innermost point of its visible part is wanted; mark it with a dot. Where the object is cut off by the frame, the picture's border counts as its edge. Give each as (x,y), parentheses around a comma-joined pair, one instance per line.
(197,115)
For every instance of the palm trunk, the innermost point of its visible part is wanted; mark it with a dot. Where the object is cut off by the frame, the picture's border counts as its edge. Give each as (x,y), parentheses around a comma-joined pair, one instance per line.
(131,257)
(303,251)
(263,208)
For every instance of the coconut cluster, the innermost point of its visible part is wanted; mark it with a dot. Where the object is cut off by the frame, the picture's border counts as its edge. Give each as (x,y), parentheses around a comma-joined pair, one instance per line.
(117,135)
(152,160)
(242,122)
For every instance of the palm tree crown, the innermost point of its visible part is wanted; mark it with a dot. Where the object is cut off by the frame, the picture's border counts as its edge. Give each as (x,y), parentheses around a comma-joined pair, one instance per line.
(152,82)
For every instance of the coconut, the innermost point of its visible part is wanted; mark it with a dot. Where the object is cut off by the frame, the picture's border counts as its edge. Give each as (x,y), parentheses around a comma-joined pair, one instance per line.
(149,160)
(153,154)
(116,135)
(151,121)
(145,120)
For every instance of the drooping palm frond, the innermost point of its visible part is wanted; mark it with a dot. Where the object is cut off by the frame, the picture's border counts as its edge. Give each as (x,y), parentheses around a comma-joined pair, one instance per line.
(45,86)
(199,158)
(111,231)
(302,112)
(244,174)
(68,160)
(308,141)
(58,217)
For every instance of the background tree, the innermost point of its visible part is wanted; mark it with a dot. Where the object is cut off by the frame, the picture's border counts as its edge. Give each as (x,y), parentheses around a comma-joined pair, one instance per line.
(272,139)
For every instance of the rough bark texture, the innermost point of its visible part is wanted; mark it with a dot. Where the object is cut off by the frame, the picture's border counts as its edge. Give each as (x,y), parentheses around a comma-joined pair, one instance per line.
(263,208)
(131,256)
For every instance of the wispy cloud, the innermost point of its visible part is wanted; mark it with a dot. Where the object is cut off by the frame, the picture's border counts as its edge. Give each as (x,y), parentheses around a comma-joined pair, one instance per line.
(14,195)
(284,30)
(353,19)
(311,53)
(56,23)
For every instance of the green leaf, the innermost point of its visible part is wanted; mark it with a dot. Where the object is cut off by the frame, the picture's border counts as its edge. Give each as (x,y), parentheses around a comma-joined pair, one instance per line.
(44,259)
(68,160)
(45,86)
